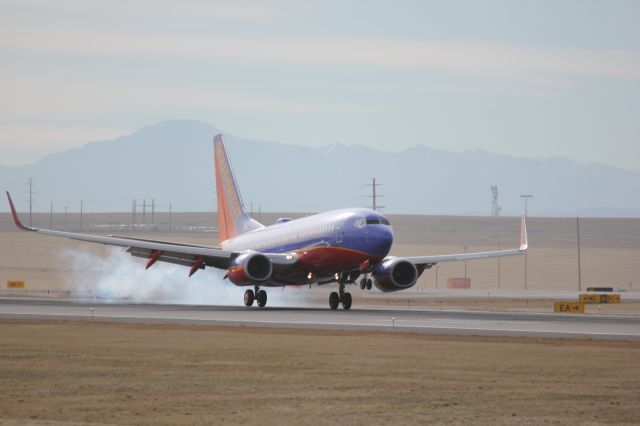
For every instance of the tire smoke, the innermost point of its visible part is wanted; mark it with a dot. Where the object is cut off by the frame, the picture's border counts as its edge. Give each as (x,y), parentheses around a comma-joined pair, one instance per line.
(119,277)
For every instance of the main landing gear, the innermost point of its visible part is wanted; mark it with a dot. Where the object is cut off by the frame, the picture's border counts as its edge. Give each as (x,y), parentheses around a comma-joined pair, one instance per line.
(343,297)
(259,295)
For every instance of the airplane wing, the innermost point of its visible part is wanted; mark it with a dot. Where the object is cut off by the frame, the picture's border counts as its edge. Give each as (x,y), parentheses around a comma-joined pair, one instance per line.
(194,256)
(429,261)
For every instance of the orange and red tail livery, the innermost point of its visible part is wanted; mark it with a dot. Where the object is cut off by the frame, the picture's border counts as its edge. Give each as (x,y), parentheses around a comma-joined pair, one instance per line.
(232,219)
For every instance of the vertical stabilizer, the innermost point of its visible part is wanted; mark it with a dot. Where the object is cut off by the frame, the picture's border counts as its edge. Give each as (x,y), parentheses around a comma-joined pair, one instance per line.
(232,219)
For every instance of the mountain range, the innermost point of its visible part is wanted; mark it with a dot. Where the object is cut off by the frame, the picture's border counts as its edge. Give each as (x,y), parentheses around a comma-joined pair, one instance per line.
(171,163)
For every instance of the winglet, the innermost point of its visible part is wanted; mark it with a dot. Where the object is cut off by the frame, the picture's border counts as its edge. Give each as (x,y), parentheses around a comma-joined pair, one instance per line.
(524,244)
(16,219)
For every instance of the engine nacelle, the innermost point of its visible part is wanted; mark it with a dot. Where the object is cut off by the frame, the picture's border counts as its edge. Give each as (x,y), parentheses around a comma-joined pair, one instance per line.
(250,268)
(395,274)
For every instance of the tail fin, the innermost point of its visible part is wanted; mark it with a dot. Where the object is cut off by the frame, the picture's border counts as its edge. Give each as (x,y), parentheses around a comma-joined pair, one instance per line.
(232,219)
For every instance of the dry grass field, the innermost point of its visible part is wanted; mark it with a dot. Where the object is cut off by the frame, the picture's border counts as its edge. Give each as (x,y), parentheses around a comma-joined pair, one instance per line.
(98,373)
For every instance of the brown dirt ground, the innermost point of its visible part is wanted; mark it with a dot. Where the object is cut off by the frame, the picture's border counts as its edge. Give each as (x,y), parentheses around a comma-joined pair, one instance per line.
(81,372)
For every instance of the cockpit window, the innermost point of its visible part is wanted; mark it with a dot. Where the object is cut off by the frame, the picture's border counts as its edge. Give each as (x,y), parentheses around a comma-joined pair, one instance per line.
(377,221)
(360,223)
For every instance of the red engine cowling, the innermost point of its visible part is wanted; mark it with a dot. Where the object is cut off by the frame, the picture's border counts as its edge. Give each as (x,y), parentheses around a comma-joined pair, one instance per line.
(250,268)
(395,274)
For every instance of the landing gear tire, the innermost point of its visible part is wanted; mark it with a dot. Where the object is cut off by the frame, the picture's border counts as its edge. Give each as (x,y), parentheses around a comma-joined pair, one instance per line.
(334,301)
(346,301)
(369,284)
(248,298)
(363,284)
(261,296)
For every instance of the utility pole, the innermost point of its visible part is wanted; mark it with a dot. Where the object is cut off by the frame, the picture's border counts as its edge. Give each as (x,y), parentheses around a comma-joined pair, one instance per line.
(579,268)
(374,195)
(30,185)
(499,274)
(525,197)
(153,210)
(465,266)
(81,212)
(66,222)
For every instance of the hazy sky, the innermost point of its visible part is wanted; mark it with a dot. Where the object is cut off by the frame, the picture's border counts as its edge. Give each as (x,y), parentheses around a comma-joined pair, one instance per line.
(527,78)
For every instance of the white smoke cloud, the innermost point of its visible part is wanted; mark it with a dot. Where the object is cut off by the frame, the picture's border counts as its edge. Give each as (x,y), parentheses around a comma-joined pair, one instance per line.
(118,277)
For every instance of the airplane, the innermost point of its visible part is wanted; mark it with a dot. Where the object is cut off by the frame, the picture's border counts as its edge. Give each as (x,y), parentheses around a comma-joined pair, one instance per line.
(339,246)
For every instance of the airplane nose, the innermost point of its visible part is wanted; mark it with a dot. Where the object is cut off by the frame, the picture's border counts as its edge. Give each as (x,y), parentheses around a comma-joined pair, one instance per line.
(381,240)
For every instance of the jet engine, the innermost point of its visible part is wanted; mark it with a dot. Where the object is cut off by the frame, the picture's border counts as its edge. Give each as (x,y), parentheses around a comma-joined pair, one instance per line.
(250,268)
(395,274)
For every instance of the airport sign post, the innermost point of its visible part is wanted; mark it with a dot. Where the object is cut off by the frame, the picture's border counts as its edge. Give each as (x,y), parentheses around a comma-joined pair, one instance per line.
(599,298)
(459,283)
(15,284)
(568,307)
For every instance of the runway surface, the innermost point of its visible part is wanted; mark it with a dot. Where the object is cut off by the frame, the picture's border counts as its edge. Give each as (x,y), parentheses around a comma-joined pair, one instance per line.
(417,321)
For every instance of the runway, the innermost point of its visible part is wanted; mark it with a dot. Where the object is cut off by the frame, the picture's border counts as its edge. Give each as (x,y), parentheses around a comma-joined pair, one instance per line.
(387,320)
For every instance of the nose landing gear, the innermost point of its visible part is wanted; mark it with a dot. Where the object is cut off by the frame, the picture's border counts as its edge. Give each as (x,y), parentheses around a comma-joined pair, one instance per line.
(366,283)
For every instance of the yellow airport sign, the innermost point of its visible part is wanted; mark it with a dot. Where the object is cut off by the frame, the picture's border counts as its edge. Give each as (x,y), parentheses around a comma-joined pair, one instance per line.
(568,307)
(599,298)
(15,284)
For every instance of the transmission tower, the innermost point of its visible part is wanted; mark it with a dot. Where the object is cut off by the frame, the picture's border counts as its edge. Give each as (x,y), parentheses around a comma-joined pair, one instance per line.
(374,195)
(144,205)
(495,208)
